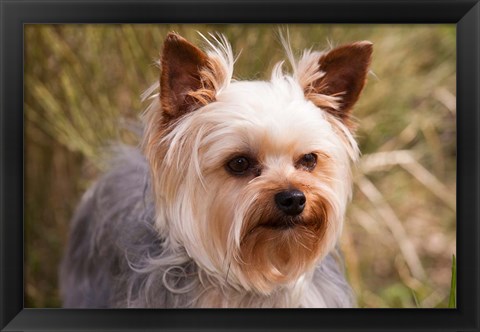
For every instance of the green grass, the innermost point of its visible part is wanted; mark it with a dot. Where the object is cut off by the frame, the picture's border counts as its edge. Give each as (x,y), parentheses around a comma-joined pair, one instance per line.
(83,84)
(452,300)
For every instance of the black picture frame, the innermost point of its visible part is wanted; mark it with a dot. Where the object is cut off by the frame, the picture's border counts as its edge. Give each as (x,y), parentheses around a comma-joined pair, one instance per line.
(16,13)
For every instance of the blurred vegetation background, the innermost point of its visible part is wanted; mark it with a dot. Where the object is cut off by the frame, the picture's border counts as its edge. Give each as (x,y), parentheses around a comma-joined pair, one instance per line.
(82,91)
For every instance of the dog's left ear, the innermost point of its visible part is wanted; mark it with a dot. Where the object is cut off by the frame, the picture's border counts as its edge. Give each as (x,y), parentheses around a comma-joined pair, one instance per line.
(182,87)
(344,73)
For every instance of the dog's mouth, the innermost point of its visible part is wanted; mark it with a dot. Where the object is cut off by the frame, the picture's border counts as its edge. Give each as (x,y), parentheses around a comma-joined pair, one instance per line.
(283,223)
(280,224)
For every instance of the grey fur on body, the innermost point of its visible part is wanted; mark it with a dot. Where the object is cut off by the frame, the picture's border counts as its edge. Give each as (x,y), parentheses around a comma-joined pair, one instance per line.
(115,257)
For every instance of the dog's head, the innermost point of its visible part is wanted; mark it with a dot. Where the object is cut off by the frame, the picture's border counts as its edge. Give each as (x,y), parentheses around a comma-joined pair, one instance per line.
(252,178)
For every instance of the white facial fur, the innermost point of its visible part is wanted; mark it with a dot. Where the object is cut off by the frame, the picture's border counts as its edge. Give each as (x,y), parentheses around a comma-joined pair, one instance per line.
(269,120)
(223,220)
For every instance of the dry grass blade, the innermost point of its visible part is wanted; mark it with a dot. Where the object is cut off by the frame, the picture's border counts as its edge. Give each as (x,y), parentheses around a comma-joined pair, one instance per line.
(432,183)
(364,219)
(395,226)
(406,136)
(405,159)
(447,99)
(383,160)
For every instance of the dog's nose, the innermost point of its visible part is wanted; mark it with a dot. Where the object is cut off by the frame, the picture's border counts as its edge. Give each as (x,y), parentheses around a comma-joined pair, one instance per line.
(291,202)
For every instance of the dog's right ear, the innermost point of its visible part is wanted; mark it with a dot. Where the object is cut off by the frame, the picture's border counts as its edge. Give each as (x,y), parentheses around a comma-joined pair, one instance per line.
(181,81)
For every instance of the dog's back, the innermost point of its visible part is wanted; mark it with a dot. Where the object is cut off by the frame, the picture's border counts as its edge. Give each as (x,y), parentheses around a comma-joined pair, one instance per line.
(111,226)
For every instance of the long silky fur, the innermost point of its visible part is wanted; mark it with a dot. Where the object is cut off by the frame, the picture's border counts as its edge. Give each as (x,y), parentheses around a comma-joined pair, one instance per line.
(115,258)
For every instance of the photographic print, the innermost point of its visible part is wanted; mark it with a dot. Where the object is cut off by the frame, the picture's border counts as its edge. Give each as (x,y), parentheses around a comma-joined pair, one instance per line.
(240,165)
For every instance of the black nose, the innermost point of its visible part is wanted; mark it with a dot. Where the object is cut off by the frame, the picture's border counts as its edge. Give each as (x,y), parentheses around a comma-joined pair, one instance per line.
(291,202)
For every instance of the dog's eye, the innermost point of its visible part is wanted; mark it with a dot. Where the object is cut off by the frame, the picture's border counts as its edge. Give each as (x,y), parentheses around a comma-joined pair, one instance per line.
(238,165)
(308,161)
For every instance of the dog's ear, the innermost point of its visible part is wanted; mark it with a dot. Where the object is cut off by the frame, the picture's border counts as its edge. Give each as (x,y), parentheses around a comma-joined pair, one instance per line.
(344,71)
(181,76)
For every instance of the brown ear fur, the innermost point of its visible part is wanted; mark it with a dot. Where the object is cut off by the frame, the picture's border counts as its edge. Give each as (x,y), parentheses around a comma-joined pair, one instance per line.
(345,69)
(181,65)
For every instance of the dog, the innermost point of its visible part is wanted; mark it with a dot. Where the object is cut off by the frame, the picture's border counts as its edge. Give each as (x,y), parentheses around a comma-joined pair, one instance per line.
(238,194)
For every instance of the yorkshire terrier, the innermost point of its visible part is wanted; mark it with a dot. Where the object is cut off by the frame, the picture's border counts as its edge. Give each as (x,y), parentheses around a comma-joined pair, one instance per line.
(239,194)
